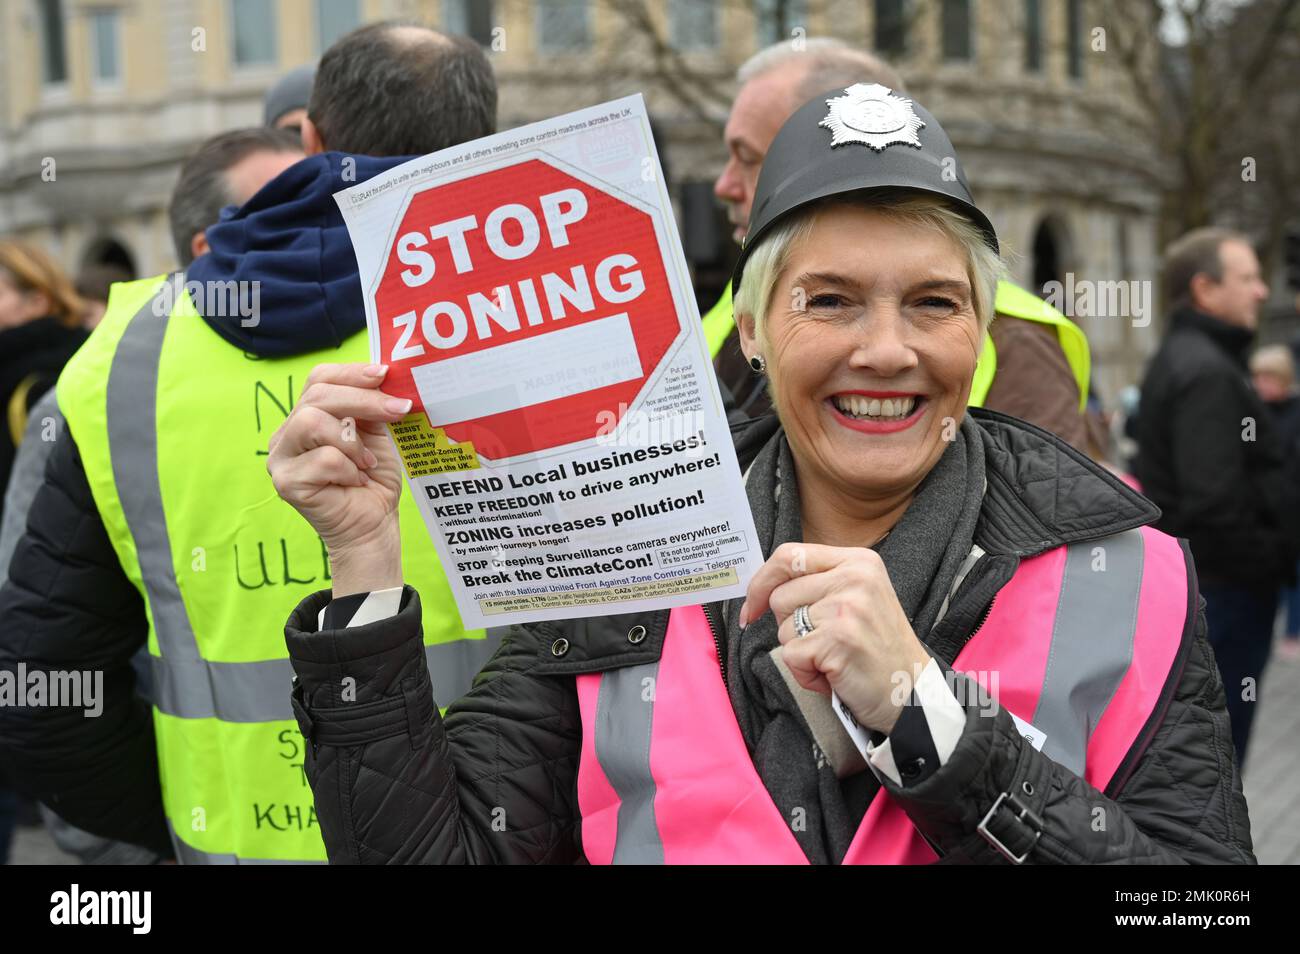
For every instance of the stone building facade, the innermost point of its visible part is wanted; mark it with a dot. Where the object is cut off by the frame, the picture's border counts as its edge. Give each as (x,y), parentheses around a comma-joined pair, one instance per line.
(100,100)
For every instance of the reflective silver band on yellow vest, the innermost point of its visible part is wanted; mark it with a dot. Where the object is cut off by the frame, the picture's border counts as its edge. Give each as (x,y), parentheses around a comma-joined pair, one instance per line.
(185,684)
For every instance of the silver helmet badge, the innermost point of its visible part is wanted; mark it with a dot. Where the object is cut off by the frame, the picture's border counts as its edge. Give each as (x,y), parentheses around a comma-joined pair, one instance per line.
(873,115)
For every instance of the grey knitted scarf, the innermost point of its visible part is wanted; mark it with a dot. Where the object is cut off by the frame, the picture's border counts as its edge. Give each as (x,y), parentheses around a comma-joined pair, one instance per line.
(922,554)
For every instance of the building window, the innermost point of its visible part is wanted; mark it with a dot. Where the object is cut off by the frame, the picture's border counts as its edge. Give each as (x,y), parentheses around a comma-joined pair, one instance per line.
(1048,264)
(472,18)
(333,19)
(958,39)
(693,24)
(53,52)
(776,18)
(104,47)
(562,25)
(1074,37)
(252,24)
(1033,36)
(891,27)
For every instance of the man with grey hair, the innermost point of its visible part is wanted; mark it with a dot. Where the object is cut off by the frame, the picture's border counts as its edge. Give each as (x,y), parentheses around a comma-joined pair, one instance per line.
(1210,458)
(227,169)
(773,83)
(1035,360)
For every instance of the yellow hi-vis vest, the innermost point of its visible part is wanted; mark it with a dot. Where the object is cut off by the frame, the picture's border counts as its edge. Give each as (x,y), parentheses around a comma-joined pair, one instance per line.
(1011,300)
(1014,301)
(172,423)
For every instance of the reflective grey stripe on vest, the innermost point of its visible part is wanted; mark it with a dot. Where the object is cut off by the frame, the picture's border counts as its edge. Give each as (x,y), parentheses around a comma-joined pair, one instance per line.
(624,719)
(186,684)
(131,407)
(189,855)
(1092,643)
(259,691)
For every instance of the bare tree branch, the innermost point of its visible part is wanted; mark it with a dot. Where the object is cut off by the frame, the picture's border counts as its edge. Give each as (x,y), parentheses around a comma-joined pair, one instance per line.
(700,95)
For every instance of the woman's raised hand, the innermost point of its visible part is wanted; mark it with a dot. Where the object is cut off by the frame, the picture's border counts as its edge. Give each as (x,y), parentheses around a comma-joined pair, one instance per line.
(334,462)
(861,645)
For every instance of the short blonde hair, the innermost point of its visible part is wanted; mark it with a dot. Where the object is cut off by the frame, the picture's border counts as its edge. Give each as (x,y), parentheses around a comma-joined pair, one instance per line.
(1277,361)
(768,260)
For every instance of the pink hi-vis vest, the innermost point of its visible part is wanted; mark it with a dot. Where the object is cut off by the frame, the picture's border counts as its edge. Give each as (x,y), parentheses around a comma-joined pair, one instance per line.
(1080,643)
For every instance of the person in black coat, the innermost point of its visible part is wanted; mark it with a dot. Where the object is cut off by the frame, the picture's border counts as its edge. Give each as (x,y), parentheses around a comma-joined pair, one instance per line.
(39,331)
(40,316)
(1210,457)
(1272,369)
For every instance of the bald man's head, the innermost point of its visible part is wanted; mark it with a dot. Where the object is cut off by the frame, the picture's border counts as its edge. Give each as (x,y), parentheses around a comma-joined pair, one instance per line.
(397,89)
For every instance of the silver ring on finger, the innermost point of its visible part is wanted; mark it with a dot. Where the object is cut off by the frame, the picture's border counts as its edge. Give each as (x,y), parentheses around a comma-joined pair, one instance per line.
(803,624)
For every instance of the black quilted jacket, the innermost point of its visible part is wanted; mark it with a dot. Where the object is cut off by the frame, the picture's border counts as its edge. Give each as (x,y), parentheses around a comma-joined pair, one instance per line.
(495,780)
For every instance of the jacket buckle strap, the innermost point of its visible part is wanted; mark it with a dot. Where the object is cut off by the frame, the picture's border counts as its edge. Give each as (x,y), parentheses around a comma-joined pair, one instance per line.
(1027,817)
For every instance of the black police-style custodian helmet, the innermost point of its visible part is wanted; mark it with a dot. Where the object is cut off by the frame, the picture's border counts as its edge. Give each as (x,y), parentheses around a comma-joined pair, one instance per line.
(863,137)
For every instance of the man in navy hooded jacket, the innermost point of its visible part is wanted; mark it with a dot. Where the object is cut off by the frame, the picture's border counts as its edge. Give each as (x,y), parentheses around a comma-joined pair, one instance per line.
(383,93)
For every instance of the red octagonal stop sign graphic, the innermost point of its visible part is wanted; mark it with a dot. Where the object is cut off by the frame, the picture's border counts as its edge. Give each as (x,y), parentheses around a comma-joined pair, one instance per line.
(561,280)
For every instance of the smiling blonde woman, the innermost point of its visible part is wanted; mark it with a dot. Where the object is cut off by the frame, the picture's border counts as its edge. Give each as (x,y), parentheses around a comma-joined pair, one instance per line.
(1018,662)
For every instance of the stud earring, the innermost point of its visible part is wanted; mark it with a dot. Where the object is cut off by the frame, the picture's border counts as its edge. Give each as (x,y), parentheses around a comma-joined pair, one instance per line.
(758,363)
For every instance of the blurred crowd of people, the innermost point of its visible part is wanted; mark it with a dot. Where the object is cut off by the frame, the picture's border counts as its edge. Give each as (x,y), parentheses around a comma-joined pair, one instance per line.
(1220,457)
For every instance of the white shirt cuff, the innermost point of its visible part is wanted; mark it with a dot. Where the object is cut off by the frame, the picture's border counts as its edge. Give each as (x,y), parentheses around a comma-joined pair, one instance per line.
(377,605)
(944,715)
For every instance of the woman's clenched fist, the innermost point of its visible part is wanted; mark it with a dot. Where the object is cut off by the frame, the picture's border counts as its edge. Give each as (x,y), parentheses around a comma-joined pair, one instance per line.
(861,645)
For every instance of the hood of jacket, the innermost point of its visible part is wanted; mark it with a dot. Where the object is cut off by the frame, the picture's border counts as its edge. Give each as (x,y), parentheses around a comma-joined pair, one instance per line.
(291,240)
